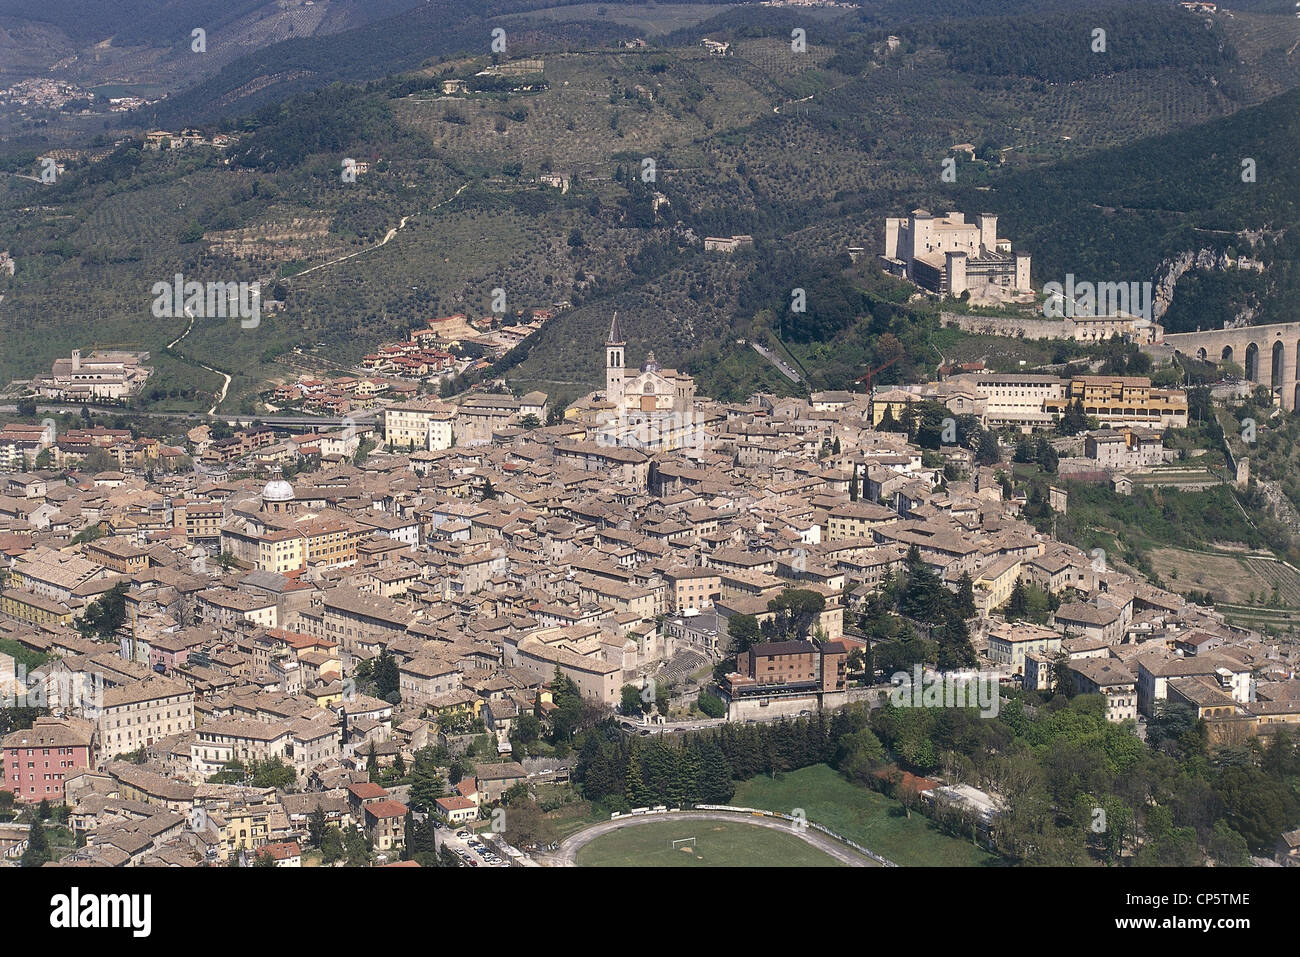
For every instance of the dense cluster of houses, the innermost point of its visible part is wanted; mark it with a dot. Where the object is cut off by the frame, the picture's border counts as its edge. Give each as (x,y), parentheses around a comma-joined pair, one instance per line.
(483,559)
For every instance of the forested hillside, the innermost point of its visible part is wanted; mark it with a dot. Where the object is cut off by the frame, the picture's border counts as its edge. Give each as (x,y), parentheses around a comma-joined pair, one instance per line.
(1131,208)
(1105,174)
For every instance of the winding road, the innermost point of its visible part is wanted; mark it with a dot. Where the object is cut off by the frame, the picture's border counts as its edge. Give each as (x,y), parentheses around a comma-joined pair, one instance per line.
(383,242)
(225,385)
(567,853)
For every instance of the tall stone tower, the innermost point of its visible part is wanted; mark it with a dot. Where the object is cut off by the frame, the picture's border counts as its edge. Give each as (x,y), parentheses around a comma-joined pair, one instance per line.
(614,370)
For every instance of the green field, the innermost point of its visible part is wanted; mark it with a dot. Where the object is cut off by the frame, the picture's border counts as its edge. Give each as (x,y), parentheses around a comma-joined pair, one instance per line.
(870,819)
(717,844)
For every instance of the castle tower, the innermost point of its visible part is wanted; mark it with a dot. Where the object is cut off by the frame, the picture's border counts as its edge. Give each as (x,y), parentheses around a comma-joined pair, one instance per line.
(614,371)
(988,224)
(956,269)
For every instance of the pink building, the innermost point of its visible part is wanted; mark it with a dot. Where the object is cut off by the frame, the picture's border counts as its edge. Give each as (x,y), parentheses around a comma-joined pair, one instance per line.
(39,759)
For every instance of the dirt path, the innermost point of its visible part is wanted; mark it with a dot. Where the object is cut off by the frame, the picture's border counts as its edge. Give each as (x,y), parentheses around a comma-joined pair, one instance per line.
(225,385)
(383,242)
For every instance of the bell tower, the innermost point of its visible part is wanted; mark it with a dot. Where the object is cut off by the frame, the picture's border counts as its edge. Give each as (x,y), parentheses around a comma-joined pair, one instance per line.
(614,371)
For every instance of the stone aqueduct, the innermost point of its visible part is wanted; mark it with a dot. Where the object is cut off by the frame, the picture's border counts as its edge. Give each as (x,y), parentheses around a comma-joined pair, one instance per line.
(1269,354)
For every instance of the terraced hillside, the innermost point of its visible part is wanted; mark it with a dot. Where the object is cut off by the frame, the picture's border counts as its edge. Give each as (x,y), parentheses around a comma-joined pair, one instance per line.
(806,152)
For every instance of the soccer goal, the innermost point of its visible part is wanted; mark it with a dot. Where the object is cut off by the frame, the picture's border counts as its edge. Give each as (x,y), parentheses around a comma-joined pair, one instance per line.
(682,843)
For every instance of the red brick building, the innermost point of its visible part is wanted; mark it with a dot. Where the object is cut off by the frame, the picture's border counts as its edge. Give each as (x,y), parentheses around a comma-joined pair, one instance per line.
(38,759)
(812,666)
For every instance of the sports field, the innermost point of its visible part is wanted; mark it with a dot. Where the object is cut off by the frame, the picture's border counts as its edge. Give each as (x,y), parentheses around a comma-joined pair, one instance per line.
(861,815)
(717,844)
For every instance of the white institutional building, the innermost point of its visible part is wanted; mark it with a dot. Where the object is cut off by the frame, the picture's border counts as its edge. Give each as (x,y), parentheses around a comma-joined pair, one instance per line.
(949,256)
(108,374)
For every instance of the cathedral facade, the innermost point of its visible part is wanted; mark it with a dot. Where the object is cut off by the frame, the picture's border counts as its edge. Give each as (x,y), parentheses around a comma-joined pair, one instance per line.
(651,409)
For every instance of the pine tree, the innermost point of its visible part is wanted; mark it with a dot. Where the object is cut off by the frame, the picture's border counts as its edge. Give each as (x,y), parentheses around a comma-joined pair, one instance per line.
(421,837)
(658,771)
(1018,603)
(38,845)
(988,452)
(955,649)
(1075,420)
(316,825)
(331,844)
(907,420)
(924,596)
(687,790)
(601,780)
(633,785)
(426,783)
(964,603)
(716,785)
(358,848)
(387,676)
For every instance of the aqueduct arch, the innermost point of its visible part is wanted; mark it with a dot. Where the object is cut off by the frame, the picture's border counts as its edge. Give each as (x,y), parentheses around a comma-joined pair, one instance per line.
(1270,354)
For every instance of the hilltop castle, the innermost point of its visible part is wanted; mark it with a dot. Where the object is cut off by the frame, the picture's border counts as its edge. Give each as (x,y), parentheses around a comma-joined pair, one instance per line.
(949,256)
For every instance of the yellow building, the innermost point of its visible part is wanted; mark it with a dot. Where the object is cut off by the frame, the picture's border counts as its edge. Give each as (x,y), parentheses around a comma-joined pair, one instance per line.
(891,401)
(281,552)
(857,520)
(452,704)
(31,608)
(329,542)
(326,695)
(1009,643)
(202,520)
(422,424)
(995,582)
(247,826)
(1123,400)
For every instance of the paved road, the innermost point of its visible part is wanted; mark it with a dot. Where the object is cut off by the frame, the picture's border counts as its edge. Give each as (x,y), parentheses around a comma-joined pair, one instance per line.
(273,421)
(672,727)
(567,853)
(781,366)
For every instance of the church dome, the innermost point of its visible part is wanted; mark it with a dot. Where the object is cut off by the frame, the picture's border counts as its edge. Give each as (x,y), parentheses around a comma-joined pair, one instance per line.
(277,490)
(650,365)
